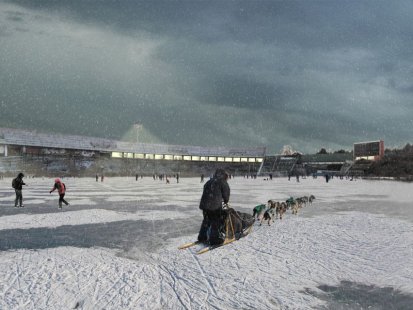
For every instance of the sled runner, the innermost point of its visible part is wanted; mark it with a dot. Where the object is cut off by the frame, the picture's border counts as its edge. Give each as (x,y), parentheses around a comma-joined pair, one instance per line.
(188,245)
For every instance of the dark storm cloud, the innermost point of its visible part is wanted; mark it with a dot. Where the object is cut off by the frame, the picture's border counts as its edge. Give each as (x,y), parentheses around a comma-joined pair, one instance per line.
(243,73)
(14,16)
(238,91)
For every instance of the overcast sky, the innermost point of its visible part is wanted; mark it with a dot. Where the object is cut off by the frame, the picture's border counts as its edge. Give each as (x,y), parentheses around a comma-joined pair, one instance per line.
(309,74)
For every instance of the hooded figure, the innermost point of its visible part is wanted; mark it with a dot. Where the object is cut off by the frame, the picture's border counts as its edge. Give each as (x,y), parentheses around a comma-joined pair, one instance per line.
(61,189)
(17,184)
(216,193)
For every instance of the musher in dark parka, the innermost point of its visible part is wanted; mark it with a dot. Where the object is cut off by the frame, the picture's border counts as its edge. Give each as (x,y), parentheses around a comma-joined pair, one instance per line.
(216,192)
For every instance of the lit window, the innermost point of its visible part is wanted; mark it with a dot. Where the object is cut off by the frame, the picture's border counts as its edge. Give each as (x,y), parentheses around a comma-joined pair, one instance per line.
(212,158)
(168,157)
(116,154)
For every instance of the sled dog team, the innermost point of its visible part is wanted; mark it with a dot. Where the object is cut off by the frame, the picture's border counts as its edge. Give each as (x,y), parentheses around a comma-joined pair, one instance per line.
(276,209)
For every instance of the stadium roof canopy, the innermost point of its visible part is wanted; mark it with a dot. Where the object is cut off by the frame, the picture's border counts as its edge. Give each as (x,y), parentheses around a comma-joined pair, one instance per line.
(20,137)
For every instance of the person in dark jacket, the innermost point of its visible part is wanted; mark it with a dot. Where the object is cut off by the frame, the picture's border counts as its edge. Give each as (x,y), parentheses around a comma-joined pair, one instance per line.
(18,187)
(216,192)
(61,189)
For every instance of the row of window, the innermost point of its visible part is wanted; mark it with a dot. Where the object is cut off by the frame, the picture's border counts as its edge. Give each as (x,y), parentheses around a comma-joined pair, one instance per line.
(367,157)
(187,157)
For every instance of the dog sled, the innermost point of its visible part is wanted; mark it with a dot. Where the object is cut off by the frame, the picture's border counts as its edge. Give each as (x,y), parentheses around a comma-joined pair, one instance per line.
(234,225)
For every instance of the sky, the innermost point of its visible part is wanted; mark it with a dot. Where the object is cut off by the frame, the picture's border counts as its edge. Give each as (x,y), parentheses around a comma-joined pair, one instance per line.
(310,74)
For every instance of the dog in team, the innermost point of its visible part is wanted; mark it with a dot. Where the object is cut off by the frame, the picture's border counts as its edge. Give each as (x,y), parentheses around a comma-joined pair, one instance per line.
(258,212)
(306,200)
(269,213)
(280,208)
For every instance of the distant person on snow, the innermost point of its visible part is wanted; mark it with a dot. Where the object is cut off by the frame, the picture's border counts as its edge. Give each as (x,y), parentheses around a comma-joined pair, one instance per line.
(17,184)
(216,191)
(61,189)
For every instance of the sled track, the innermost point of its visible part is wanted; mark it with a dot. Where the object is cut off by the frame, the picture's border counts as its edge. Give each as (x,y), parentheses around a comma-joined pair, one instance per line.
(207,280)
(174,285)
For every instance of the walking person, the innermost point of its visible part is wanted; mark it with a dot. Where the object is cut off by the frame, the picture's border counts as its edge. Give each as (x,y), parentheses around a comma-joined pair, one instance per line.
(216,192)
(17,184)
(61,189)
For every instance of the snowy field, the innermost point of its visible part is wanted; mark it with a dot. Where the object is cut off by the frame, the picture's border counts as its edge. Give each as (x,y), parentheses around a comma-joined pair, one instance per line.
(115,247)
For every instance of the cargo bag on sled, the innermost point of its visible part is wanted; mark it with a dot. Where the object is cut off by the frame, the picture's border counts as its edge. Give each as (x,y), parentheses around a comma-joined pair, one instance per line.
(236,224)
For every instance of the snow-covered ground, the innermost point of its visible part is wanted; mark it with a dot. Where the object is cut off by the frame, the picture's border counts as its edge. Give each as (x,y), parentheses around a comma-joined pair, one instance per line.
(115,247)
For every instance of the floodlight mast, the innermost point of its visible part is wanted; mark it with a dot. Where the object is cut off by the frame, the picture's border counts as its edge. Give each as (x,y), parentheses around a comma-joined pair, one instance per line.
(138,128)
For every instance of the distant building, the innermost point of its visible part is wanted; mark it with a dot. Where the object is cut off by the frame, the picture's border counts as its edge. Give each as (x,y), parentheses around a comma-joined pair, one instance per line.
(371,150)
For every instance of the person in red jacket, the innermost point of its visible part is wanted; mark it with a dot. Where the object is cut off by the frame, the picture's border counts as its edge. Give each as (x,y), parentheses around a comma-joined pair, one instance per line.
(61,189)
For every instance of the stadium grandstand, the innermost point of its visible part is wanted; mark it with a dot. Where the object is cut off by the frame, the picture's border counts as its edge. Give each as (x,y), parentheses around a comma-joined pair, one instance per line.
(72,155)
(306,164)
(279,165)
(44,154)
